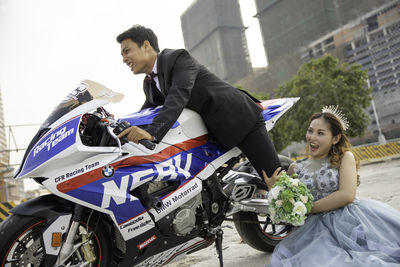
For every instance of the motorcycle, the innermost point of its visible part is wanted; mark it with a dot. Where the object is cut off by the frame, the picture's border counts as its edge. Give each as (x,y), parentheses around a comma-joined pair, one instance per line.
(117,203)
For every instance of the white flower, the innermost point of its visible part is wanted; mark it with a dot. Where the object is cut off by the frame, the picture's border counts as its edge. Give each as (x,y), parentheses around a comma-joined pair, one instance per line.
(292,201)
(279,203)
(295,182)
(298,223)
(299,208)
(272,212)
(303,199)
(275,191)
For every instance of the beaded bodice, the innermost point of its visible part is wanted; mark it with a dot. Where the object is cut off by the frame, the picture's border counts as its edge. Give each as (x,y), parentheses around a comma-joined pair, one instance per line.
(319,176)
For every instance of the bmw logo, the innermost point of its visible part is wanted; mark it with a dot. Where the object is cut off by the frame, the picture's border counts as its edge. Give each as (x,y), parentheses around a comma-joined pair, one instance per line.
(108,171)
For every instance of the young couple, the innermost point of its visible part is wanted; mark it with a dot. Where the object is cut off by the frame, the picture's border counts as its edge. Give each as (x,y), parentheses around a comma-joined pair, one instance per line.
(340,230)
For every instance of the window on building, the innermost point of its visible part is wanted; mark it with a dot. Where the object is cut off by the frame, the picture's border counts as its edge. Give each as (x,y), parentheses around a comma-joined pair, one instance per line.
(329,40)
(393,28)
(372,23)
(384,72)
(364,57)
(360,42)
(377,44)
(386,78)
(383,65)
(393,38)
(362,51)
(330,47)
(387,86)
(396,52)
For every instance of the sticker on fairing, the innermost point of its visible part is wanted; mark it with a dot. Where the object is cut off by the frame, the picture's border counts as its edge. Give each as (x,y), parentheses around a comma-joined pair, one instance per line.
(147,242)
(177,198)
(51,144)
(136,226)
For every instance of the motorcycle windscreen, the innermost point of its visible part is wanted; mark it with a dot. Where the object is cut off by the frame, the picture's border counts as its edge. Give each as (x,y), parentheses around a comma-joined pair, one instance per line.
(60,129)
(85,92)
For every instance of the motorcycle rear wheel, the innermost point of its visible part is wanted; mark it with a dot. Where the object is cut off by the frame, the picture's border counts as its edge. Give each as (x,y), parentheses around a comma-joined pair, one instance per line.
(21,245)
(262,236)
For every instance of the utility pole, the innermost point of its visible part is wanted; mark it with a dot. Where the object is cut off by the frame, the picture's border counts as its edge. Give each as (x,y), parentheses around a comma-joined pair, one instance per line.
(381,137)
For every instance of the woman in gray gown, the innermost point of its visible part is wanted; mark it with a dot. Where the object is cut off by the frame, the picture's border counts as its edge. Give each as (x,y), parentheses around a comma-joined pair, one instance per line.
(341,230)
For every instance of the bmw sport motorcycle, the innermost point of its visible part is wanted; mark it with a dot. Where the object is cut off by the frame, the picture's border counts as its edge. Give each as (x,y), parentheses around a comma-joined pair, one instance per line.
(117,203)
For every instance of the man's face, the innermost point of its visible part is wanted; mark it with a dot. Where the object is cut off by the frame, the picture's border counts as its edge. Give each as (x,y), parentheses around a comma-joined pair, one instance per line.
(137,58)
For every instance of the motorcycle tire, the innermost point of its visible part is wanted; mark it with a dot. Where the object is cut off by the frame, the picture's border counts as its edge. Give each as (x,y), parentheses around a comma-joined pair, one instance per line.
(21,245)
(261,236)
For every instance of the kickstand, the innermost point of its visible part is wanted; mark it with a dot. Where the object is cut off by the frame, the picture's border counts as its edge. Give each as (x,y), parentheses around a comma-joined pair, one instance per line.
(218,245)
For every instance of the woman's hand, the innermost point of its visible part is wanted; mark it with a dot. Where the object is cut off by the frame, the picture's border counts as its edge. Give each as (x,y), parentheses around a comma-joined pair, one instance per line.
(270,181)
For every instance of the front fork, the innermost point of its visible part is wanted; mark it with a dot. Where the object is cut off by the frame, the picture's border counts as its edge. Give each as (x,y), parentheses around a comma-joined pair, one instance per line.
(68,247)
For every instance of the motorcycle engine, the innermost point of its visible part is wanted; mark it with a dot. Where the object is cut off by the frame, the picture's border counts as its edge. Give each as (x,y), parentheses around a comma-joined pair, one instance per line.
(185,217)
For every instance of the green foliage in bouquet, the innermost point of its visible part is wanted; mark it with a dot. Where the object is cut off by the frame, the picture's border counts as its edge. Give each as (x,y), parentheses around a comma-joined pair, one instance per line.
(289,200)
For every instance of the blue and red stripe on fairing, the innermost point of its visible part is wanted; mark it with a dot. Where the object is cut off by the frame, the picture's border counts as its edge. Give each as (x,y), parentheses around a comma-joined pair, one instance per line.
(89,187)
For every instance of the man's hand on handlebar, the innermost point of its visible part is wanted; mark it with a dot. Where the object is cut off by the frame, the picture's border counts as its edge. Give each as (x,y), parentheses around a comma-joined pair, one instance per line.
(135,134)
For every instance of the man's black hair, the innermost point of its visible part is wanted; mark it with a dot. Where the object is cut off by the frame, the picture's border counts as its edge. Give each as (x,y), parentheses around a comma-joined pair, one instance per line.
(138,34)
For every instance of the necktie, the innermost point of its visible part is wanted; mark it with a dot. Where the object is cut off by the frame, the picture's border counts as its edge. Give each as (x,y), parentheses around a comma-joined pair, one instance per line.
(150,77)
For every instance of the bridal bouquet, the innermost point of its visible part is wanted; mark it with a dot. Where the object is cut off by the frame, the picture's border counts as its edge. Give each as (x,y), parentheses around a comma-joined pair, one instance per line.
(289,200)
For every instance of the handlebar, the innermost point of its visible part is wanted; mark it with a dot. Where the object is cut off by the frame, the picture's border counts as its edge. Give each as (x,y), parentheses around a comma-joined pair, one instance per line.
(148,144)
(121,126)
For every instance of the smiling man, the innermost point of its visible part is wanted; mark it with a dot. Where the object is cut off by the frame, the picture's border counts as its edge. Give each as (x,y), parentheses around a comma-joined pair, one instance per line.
(175,80)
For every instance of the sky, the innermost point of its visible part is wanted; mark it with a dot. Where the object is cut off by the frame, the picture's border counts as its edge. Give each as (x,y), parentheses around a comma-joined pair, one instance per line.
(47,47)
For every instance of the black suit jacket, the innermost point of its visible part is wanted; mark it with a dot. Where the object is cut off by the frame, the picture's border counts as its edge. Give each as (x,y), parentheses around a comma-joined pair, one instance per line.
(228,113)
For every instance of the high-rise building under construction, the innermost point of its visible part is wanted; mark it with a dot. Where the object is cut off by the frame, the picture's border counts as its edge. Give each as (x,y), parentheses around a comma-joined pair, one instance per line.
(213,33)
(287,25)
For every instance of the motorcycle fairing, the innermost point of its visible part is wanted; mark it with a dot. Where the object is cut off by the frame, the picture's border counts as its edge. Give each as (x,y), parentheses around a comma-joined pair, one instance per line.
(173,254)
(275,108)
(87,96)
(144,117)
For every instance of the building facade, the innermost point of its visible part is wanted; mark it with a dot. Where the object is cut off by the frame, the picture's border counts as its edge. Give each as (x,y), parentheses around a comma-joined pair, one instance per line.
(287,25)
(372,40)
(213,33)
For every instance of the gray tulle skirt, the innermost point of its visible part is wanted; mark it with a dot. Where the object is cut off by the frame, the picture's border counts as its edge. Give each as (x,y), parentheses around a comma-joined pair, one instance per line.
(365,233)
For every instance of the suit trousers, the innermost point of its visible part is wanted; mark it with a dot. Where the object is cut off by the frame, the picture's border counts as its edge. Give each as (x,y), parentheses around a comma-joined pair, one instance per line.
(259,150)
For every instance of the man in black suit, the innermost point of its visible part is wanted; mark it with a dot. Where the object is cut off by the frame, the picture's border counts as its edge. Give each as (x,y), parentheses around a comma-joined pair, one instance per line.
(176,80)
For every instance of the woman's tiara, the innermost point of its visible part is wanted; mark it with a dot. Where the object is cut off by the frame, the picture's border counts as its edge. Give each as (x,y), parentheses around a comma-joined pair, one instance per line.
(334,110)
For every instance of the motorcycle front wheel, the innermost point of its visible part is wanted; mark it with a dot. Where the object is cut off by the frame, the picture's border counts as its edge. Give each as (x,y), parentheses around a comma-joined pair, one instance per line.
(259,232)
(20,239)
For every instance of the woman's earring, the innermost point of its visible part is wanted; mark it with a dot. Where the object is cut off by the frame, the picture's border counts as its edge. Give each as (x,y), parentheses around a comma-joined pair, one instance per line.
(334,150)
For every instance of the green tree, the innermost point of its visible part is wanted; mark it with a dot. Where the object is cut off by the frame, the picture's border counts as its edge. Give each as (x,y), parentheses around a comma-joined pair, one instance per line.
(320,82)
